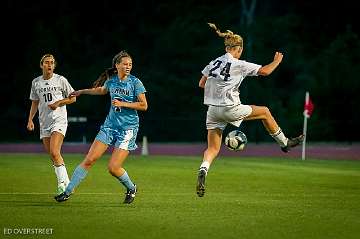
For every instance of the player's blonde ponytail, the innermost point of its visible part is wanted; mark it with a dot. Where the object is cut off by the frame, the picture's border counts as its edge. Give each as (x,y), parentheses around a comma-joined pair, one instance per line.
(230,39)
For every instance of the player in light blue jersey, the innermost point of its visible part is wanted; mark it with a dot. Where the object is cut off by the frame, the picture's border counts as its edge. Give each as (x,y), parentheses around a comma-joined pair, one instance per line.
(221,80)
(120,127)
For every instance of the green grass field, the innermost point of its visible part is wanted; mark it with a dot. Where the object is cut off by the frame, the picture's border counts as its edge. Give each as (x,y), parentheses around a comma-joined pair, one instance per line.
(245,198)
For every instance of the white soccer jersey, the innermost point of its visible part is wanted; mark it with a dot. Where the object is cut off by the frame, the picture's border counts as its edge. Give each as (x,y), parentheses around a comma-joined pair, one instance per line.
(224,76)
(48,92)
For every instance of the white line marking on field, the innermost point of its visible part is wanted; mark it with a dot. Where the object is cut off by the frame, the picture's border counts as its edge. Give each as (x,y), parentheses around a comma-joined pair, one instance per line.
(36,193)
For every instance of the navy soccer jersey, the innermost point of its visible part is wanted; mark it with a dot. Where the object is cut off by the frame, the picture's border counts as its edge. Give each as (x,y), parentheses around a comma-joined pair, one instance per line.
(127,91)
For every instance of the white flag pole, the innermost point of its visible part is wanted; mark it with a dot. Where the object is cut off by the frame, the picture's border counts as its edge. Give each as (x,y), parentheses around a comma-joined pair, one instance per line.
(305,126)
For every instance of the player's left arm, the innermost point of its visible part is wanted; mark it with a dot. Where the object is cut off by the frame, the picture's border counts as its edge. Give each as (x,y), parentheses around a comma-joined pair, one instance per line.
(269,68)
(141,104)
(59,103)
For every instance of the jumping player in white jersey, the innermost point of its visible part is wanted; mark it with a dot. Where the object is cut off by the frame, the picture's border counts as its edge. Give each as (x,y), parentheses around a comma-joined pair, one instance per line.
(50,95)
(120,127)
(221,80)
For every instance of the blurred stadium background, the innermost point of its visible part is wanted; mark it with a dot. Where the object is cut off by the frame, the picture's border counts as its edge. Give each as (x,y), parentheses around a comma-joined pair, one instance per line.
(170,44)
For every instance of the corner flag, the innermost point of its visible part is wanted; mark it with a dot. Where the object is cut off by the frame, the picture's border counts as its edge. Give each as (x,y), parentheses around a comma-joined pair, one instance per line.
(308,109)
(308,106)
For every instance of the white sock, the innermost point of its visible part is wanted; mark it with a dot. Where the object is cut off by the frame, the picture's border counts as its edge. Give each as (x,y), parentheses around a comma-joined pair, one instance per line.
(280,138)
(205,165)
(61,174)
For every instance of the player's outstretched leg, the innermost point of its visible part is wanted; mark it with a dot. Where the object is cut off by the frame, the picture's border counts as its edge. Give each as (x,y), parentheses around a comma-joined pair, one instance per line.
(292,143)
(200,187)
(130,195)
(62,178)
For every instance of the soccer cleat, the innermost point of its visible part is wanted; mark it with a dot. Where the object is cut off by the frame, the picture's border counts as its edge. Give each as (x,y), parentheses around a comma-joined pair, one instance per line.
(200,187)
(292,143)
(61,188)
(130,195)
(62,197)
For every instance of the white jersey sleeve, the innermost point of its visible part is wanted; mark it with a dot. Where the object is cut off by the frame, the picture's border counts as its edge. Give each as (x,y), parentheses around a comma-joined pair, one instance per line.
(225,74)
(33,95)
(66,87)
(248,68)
(205,71)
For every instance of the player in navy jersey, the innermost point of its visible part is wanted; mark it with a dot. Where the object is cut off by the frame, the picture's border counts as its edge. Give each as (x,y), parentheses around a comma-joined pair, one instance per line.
(49,95)
(120,127)
(221,80)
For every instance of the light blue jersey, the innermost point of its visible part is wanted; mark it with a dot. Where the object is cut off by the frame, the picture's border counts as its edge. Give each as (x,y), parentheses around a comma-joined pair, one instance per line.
(127,91)
(121,124)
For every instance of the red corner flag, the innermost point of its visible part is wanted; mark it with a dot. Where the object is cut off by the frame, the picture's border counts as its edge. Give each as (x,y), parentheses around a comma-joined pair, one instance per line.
(308,109)
(308,106)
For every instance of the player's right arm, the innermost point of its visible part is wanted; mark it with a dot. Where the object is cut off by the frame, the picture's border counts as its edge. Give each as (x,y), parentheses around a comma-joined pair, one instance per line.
(202,81)
(34,107)
(93,91)
(205,73)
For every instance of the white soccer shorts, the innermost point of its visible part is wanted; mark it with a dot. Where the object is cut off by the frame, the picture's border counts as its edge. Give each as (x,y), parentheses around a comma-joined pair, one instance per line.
(219,116)
(56,127)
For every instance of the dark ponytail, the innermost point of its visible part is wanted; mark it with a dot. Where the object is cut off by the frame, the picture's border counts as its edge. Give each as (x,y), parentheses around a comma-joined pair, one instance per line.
(104,76)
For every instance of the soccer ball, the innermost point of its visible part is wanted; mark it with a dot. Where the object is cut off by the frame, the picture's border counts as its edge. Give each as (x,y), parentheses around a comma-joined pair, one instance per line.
(235,140)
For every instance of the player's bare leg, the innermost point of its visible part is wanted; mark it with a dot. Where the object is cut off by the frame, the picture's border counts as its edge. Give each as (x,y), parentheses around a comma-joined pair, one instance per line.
(53,146)
(263,113)
(116,169)
(214,144)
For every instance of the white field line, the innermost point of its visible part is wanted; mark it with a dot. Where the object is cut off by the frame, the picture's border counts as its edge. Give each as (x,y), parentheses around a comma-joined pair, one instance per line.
(39,193)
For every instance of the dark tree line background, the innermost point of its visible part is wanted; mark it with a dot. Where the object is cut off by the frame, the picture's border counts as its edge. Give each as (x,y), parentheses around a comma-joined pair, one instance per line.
(170,43)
